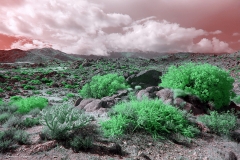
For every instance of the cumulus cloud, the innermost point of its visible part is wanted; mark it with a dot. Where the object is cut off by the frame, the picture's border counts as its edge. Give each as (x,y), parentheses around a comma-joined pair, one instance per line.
(25,45)
(236,34)
(78,27)
(69,26)
(163,37)
(216,32)
(212,46)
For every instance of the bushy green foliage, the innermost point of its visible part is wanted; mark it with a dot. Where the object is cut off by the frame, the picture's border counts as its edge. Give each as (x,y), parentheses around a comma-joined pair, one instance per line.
(21,137)
(46,80)
(219,123)
(59,121)
(27,104)
(28,87)
(236,99)
(30,122)
(35,82)
(4,117)
(69,95)
(5,107)
(1,90)
(152,116)
(14,121)
(78,143)
(208,82)
(9,139)
(101,86)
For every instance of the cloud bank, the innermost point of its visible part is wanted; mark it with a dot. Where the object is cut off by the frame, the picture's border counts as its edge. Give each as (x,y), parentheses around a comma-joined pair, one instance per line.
(83,27)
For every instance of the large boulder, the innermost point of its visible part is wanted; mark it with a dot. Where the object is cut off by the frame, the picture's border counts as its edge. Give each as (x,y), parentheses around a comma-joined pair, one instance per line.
(145,78)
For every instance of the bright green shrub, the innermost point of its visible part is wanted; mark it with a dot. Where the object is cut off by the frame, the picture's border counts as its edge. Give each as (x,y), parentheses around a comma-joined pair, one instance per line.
(70,95)
(236,99)
(27,104)
(219,123)
(101,86)
(35,82)
(28,87)
(208,82)
(152,116)
(59,121)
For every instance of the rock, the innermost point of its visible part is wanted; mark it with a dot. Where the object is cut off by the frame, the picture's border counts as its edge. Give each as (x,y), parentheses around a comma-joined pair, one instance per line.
(86,64)
(235,135)
(145,78)
(110,101)
(115,149)
(78,101)
(93,105)
(232,156)
(165,94)
(236,108)
(142,93)
(84,102)
(55,85)
(143,155)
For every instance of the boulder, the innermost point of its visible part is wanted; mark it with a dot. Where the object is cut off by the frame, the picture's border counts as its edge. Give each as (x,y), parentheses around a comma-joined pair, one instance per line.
(145,78)
(84,102)
(93,105)
(165,95)
(235,135)
(232,156)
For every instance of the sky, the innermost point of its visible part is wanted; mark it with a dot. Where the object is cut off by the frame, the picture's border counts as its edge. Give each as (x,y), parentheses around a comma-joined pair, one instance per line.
(98,27)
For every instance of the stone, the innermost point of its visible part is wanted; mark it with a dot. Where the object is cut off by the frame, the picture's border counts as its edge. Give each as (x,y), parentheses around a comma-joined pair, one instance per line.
(145,78)
(115,149)
(232,156)
(84,102)
(235,135)
(93,105)
(78,101)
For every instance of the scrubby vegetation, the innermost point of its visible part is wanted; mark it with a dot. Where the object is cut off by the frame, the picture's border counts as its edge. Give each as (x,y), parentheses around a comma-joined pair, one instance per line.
(27,104)
(101,86)
(59,121)
(208,82)
(152,116)
(221,124)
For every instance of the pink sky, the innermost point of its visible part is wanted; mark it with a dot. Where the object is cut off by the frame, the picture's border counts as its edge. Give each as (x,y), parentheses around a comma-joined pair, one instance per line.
(99,26)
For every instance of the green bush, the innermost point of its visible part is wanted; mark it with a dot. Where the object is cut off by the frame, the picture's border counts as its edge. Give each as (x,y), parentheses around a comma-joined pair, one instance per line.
(236,99)
(1,90)
(10,138)
(35,82)
(101,86)
(14,121)
(59,121)
(7,141)
(30,122)
(221,124)
(4,117)
(152,116)
(6,107)
(28,87)
(27,104)
(78,143)
(69,95)
(21,137)
(209,83)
